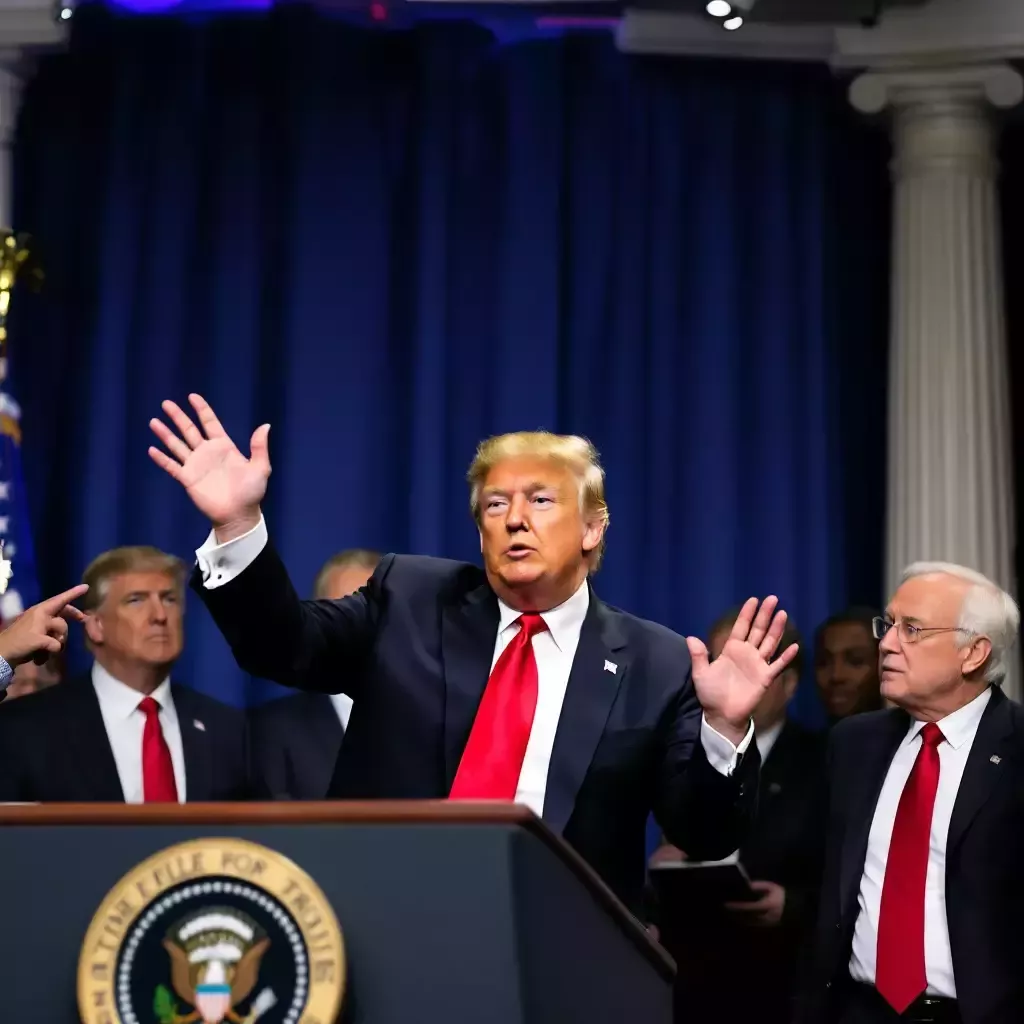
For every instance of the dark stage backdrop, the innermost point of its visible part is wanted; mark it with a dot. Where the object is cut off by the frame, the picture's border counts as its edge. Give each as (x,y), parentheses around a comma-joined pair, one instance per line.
(391,244)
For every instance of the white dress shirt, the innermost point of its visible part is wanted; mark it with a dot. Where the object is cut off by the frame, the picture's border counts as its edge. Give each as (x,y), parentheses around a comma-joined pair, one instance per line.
(958,730)
(765,739)
(343,708)
(124,722)
(554,650)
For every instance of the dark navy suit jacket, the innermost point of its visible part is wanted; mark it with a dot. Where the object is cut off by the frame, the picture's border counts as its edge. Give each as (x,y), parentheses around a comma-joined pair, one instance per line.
(984,854)
(413,649)
(295,744)
(54,747)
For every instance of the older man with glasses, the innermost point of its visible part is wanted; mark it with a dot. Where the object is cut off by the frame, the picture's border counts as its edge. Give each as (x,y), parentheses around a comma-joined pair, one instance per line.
(922,908)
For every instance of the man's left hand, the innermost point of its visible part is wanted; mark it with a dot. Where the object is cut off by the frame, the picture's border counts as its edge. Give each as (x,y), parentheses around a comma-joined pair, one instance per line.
(730,687)
(765,912)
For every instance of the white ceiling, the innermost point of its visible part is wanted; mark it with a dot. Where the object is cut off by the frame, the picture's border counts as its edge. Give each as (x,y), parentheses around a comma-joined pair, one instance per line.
(911,34)
(939,32)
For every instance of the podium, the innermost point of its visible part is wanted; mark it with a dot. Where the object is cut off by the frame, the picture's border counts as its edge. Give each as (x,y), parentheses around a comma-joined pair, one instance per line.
(425,912)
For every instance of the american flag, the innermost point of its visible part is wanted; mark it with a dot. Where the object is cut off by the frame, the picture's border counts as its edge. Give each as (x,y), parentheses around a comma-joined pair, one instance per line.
(23,589)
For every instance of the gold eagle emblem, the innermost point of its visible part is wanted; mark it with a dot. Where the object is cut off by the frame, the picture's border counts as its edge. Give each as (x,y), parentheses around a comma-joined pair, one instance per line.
(215,962)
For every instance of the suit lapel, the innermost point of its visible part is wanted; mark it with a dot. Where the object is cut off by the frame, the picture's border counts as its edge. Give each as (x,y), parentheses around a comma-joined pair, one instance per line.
(982,773)
(877,759)
(320,719)
(589,697)
(469,630)
(94,770)
(775,769)
(196,745)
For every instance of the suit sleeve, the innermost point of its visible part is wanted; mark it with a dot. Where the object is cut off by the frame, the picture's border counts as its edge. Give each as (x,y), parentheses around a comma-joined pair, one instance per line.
(702,810)
(308,645)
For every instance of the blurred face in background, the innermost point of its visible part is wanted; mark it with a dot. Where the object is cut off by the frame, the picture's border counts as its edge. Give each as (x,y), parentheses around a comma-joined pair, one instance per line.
(138,624)
(345,580)
(846,669)
(30,677)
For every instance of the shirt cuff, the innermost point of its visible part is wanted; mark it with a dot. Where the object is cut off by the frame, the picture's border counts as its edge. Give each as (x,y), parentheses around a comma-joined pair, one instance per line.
(221,563)
(6,674)
(721,754)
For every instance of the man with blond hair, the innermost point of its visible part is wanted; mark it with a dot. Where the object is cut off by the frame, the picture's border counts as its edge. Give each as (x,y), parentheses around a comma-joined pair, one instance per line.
(921,903)
(510,683)
(125,732)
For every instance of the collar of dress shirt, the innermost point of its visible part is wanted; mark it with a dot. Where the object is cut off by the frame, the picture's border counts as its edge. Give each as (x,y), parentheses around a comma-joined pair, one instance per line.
(120,699)
(961,725)
(765,739)
(564,622)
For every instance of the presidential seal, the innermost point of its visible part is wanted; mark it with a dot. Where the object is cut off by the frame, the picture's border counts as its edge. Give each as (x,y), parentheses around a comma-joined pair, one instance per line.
(213,931)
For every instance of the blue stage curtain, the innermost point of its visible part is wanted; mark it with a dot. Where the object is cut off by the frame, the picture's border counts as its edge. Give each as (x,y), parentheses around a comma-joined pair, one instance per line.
(392,244)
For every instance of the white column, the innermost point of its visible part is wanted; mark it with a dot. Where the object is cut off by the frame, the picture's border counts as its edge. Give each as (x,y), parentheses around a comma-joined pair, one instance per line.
(950,474)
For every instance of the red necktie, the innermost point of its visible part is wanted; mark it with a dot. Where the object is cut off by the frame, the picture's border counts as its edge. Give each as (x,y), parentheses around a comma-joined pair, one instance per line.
(493,758)
(158,784)
(899,962)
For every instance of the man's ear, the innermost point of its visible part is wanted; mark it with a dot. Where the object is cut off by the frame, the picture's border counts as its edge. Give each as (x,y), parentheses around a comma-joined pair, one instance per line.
(592,534)
(979,651)
(94,629)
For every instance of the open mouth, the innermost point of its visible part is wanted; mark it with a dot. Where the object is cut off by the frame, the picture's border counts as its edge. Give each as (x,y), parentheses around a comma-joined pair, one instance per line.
(517,552)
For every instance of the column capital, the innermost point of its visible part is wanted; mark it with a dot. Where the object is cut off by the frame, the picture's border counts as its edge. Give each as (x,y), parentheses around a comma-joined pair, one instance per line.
(942,116)
(997,85)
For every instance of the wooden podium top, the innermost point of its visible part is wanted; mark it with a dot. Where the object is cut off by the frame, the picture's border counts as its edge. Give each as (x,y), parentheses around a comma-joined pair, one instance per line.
(325,812)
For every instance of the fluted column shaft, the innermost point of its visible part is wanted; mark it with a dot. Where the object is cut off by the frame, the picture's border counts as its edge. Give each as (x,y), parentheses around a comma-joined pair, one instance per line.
(950,474)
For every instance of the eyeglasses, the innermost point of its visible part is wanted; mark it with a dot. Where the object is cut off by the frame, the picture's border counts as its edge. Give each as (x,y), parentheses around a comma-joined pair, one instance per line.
(908,632)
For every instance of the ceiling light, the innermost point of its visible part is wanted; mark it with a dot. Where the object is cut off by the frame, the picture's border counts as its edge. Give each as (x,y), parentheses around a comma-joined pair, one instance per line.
(719,8)
(731,24)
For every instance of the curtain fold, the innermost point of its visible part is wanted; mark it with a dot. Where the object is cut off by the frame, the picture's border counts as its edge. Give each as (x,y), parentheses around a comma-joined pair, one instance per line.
(392,244)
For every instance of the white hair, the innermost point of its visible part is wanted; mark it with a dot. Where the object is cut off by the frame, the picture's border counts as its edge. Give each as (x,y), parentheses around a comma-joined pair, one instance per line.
(987,610)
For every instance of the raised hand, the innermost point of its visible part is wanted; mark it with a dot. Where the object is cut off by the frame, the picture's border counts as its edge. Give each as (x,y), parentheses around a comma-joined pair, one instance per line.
(730,687)
(41,630)
(223,484)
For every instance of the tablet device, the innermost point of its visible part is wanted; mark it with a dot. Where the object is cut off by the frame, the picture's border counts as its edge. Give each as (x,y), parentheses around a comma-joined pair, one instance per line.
(692,884)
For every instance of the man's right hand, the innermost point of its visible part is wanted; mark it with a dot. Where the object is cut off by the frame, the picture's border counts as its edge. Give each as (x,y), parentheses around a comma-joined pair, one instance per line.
(223,484)
(41,630)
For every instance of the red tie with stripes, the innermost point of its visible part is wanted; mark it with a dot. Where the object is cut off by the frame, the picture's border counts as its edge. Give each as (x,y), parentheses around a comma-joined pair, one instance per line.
(158,785)
(899,961)
(493,758)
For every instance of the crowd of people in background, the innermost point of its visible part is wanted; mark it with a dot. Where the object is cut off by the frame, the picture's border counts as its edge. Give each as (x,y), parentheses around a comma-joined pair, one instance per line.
(287,748)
